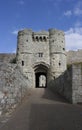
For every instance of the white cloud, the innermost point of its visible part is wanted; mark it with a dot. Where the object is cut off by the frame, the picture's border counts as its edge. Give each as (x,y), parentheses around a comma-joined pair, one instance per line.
(21,2)
(15,32)
(68,13)
(78,24)
(78,11)
(14,51)
(78,4)
(73,38)
(78,8)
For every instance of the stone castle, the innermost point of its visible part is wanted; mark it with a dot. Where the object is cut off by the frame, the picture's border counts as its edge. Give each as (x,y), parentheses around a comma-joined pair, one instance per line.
(40,61)
(41,55)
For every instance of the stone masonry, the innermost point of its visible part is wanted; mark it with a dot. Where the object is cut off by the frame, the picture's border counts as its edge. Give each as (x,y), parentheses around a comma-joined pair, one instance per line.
(13,86)
(41,53)
(40,61)
(74,56)
(69,84)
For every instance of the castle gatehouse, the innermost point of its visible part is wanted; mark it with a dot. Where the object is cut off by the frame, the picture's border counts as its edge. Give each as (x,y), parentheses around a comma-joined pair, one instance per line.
(41,55)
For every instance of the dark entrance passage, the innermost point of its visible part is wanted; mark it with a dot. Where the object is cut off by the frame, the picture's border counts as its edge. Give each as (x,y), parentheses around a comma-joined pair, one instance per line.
(41,80)
(41,70)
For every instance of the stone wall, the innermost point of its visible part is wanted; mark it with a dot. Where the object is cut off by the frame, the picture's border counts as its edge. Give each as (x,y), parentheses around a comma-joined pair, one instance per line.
(69,84)
(63,84)
(74,56)
(32,48)
(77,83)
(7,57)
(13,86)
(43,47)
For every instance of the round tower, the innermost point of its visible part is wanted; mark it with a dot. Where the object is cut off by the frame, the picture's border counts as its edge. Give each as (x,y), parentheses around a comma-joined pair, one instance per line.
(24,41)
(57,53)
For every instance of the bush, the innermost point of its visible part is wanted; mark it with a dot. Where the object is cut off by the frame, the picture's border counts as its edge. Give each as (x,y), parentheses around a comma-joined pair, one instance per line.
(13,61)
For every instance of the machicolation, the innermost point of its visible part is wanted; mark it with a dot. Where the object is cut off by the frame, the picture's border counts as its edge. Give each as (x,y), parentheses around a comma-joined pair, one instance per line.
(41,53)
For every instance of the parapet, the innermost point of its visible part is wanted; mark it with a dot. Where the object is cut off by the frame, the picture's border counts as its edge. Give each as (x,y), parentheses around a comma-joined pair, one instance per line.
(40,36)
(74,56)
(25,32)
(55,31)
(43,32)
(7,57)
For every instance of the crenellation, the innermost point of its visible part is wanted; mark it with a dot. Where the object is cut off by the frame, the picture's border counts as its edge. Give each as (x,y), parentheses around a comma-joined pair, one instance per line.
(42,46)
(41,61)
(25,32)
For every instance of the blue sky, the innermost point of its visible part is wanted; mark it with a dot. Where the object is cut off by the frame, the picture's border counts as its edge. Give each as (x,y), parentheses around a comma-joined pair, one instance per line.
(38,15)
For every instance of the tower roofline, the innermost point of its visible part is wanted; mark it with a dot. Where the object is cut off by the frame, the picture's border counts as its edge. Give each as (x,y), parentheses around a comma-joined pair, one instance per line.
(55,31)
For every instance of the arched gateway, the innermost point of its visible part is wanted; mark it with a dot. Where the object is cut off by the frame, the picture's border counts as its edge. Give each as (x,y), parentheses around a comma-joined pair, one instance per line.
(41,72)
(37,50)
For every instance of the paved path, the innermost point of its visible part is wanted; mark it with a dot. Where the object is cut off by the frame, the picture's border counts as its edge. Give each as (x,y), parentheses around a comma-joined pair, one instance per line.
(45,111)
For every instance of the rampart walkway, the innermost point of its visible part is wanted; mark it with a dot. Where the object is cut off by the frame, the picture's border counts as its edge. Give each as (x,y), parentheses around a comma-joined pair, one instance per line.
(45,111)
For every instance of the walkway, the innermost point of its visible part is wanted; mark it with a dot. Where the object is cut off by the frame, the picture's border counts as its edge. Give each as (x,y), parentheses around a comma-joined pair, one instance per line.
(45,111)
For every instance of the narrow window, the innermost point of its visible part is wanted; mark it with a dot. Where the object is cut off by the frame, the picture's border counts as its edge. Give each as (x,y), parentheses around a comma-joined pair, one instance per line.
(44,38)
(40,39)
(40,54)
(22,63)
(54,78)
(64,49)
(26,40)
(33,38)
(37,39)
(52,40)
(59,63)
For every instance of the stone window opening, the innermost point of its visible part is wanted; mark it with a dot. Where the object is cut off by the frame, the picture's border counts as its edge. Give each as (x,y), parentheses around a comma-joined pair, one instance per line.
(27,40)
(59,63)
(54,77)
(40,39)
(22,63)
(33,38)
(64,49)
(44,39)
(52,40)
(37,39)
(40,54)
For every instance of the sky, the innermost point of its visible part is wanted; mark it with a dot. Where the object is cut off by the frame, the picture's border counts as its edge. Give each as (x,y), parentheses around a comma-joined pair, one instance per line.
(39,15)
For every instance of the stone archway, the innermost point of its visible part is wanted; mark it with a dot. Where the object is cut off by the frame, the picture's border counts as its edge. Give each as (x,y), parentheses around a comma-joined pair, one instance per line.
(39,82)
(41,71)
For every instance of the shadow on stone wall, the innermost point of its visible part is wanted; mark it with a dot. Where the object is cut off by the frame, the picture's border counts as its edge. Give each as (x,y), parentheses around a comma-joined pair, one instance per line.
(53,96)
(13,86)
(63,85)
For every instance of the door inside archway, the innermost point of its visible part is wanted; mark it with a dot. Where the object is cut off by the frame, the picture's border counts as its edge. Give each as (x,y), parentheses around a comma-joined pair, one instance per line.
(41,80)
(41,76)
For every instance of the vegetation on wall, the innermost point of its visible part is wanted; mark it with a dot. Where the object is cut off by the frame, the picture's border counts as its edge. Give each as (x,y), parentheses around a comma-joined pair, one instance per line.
(13,61)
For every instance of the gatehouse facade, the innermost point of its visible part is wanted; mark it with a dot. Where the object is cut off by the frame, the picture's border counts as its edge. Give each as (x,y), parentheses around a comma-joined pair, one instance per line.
(41,55)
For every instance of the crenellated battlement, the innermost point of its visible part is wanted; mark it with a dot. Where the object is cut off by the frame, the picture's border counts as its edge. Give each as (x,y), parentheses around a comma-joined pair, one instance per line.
(25,32)
(38,47)
(56,32)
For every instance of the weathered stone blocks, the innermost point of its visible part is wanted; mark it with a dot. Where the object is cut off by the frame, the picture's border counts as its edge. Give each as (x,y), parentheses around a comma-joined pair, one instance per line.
(41,47)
